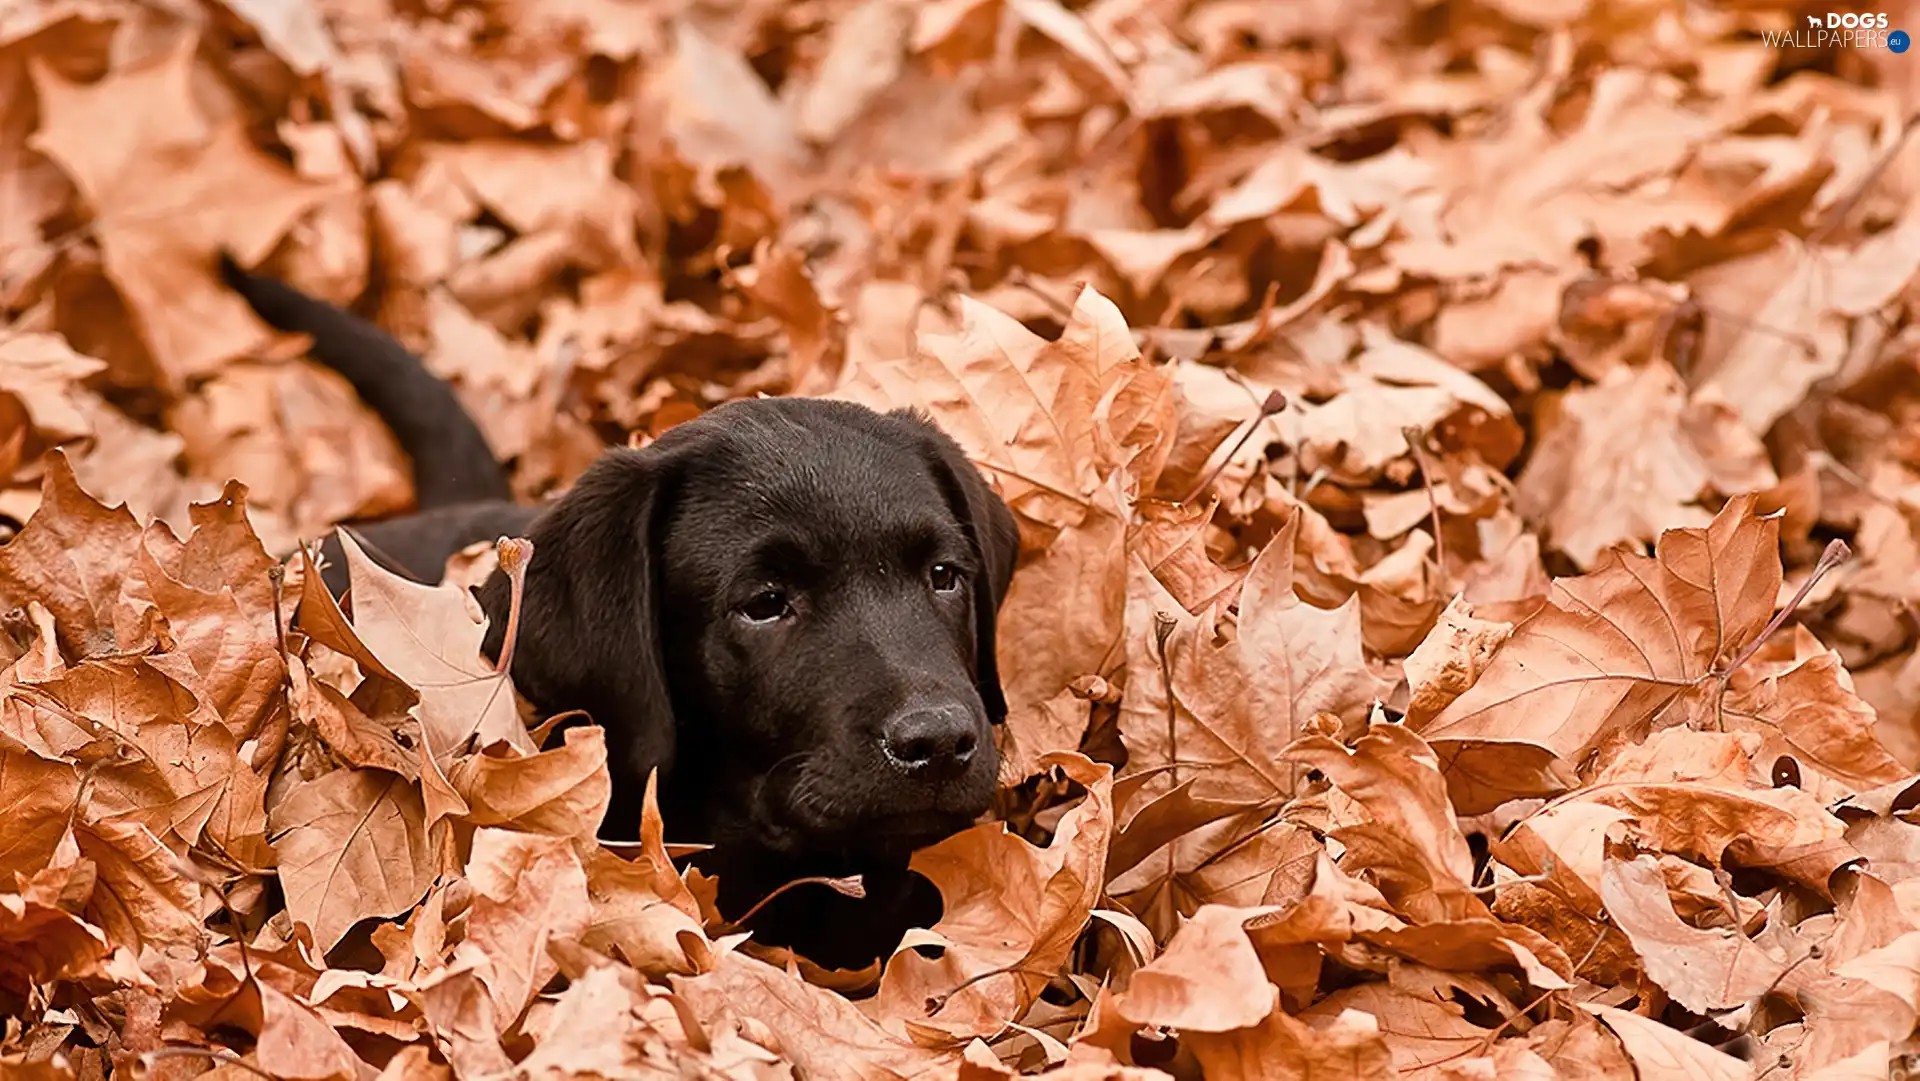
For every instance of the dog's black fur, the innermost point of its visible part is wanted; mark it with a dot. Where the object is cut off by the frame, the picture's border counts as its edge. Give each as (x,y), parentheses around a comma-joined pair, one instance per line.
(786,606)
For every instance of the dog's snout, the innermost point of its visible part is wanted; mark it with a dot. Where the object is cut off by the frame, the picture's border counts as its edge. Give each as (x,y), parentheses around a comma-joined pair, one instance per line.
(934,742)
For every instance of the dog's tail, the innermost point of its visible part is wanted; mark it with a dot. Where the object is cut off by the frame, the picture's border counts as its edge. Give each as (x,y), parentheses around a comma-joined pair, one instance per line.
(452,462)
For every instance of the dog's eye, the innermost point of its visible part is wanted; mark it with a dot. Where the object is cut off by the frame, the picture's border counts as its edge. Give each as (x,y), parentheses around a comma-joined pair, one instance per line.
(766,606)
(945,577)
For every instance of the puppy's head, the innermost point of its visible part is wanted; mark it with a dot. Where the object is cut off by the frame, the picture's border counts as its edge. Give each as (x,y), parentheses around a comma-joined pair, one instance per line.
(792,602)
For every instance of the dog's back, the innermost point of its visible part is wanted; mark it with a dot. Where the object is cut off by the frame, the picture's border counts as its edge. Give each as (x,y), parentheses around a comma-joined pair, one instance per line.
(461,487)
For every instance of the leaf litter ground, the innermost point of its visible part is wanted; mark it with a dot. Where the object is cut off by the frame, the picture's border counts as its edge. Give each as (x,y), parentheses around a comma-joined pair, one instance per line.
(1467,458)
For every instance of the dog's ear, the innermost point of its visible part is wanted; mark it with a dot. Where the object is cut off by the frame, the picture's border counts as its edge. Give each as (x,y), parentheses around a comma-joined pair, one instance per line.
(589,628)
(995,535)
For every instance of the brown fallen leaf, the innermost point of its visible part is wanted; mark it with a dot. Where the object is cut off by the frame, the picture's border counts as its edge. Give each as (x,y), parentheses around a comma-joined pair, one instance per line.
(1013,912)
(1285,1048)
(1407,837)
(1627,459)
(1223,708)
(1660,1053)
(1640,643)
(529,891)
(1805,706)
(643,910)
(1209,979)
(818,1031)
(426,636)
(41,943)
(352,845)
(68,559)
(1702,969)
(113,138)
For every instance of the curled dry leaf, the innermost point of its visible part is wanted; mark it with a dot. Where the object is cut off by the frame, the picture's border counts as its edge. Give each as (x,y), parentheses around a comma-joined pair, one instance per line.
(1703,969)
(426,636)
(1408,837)
(1210,978)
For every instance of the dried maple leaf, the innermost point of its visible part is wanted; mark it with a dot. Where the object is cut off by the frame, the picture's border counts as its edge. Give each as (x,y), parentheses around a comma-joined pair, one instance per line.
(643,911)
(719,113)
(821,1033)
(1783,830)
(1013,912)
(427,637)
(1627,459)
(865,51)
(1702,968)
(70,558)
(1223,706)
(1794,302)
(168,189)
(1418,1031)
(529,890)
(294,1042)
(1063,619)
(41,943)
(141,898)
(164,759)
(1209,979)
(352,844)
(38,372)
(1805,706)
(561,792)
(357,738)
(1450,659)
(1660,1053)
(1048,421)
(1642,642)
(1285,1048)
(221,618)
(459,1015)
(37,796)
(1393,385)
(1408,838)
(594,1030)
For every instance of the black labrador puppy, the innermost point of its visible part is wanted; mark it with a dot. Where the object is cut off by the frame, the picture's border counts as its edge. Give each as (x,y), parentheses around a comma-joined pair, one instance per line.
(786,606)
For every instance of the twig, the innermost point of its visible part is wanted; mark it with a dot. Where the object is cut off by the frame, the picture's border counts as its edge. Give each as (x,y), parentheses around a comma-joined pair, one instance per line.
(513,554)
(936,1003)
(1844,209)
(1415,438)
(1837,553)
(1275,403)
(1018,279)
(850,886)
(1163,627)
(226,1058)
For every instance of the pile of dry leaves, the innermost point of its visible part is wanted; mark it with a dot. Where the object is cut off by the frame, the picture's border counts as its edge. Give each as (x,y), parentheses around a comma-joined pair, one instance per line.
(1467,455)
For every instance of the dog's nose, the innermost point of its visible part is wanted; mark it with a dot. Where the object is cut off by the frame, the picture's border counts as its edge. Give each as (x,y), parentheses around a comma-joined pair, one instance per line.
(936,742)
